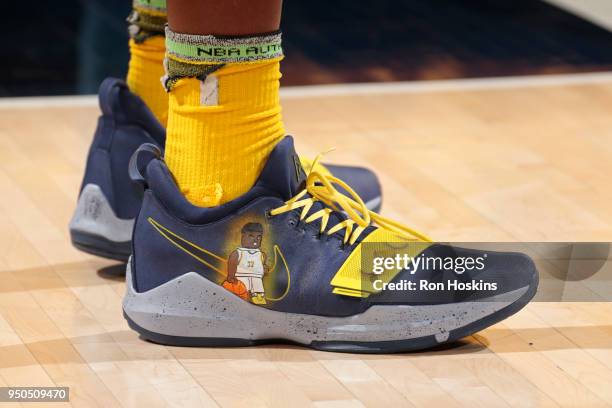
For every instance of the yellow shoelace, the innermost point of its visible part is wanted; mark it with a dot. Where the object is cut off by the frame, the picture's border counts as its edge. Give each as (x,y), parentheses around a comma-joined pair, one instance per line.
(309,164)
(321,188)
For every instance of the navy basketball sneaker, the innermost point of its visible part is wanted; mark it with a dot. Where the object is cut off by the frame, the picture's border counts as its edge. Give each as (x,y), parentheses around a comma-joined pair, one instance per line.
(109,202)
(290,261)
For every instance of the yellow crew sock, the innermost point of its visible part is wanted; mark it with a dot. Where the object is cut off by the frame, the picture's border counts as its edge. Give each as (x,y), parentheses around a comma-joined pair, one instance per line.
(224,113)
(147,53)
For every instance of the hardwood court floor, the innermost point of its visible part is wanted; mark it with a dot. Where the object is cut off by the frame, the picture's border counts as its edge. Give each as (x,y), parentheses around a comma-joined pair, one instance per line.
(523,164)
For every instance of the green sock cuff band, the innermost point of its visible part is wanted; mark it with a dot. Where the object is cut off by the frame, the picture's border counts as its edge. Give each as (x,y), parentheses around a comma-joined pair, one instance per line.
(158,6)
(221,50)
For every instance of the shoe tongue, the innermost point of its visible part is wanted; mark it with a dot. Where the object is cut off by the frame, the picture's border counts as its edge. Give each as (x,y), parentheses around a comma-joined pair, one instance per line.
(283,173)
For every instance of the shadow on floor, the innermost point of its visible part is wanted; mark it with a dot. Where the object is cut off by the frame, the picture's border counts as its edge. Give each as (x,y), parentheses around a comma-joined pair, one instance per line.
(101,348)
(113,272)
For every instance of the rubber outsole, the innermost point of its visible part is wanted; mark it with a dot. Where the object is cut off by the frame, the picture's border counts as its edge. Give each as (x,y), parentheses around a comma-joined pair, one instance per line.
(381,347)
(100,246)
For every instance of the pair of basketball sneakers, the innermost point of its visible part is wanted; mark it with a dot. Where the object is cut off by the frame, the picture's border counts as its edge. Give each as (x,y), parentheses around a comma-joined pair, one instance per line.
(286,261)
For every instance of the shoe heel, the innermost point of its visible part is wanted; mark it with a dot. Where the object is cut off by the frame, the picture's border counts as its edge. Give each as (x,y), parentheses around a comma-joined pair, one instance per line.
(95,229)
(163,316)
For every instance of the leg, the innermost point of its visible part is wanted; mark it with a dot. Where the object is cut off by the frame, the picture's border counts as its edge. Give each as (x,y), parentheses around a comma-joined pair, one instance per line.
(223,61)
(215,17)
(218,141)
(147,51)
(147,44)
(258,295)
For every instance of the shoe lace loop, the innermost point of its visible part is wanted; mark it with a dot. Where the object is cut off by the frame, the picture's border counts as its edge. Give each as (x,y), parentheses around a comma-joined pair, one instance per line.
(321,187)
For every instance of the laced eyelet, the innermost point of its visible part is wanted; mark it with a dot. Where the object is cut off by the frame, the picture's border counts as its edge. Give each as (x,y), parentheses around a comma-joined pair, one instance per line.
(322,188)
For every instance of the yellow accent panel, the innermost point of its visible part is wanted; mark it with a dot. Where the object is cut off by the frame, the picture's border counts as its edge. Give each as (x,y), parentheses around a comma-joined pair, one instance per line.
(144,75)
(350,292)
(350,281)
(217,152)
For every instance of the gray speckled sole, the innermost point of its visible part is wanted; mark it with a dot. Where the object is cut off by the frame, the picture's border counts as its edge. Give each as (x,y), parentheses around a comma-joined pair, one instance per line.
(193,311)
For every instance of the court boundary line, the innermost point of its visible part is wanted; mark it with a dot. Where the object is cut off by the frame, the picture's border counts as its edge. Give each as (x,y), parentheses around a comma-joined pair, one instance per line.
(379,88)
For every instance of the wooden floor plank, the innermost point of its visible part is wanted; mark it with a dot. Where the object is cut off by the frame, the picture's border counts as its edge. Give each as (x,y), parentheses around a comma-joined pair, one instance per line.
(489,165)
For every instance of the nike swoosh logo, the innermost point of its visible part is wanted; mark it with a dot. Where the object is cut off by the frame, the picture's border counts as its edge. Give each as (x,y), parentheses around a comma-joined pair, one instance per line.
(216,262)
(208,258)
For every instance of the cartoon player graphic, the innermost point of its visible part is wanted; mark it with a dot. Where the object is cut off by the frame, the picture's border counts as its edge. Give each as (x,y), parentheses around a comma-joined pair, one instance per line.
(247,263)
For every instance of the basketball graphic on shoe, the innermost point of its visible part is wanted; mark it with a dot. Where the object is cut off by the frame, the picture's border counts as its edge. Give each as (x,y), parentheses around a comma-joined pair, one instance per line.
(237,288)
